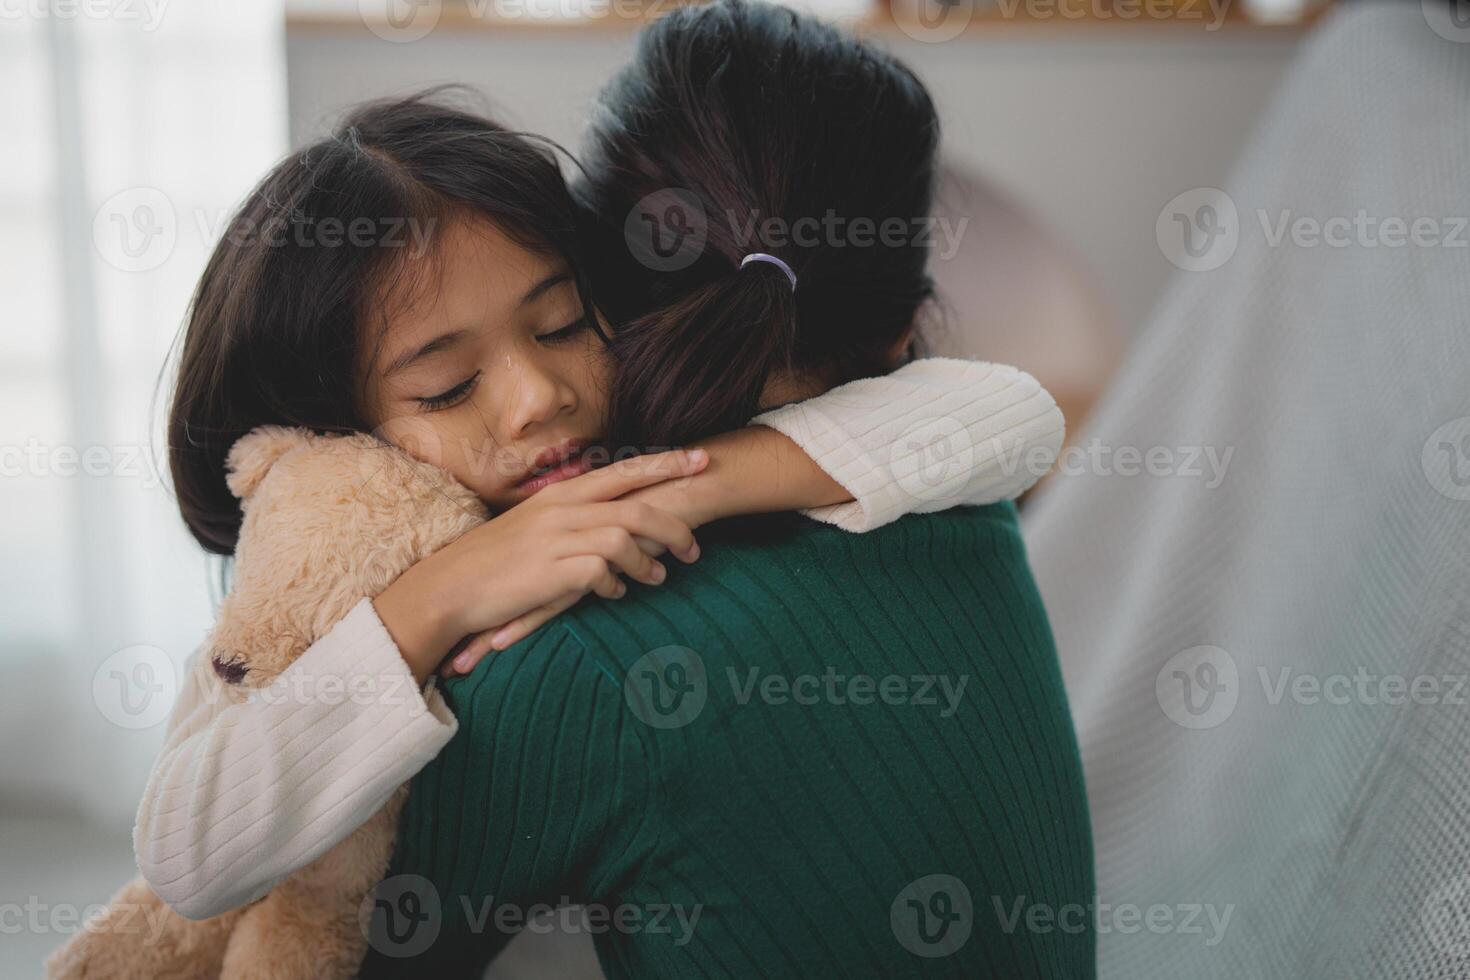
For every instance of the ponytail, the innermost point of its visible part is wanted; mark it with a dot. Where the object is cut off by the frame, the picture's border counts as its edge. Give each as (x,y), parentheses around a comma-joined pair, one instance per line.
(698,365)
(770,123)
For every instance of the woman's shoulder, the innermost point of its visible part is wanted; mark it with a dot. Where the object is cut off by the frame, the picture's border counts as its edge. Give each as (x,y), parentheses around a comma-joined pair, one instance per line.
(551,685)
(752,537)
(756,582)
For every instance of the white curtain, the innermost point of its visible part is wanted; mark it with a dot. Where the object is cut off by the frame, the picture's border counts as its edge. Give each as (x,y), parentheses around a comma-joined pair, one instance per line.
(130,130)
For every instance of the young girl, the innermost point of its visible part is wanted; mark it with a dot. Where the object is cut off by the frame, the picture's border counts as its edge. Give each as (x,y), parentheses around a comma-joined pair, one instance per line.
(419,274)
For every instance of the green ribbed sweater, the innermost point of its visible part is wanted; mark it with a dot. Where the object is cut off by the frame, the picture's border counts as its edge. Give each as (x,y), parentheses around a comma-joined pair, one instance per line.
(810,754)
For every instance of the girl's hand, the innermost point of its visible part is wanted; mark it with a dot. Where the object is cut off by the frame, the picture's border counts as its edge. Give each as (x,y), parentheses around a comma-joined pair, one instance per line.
(752,470)
(569,539)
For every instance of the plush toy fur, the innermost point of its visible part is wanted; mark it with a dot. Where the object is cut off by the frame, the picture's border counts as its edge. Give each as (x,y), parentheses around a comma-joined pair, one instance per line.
(328,520)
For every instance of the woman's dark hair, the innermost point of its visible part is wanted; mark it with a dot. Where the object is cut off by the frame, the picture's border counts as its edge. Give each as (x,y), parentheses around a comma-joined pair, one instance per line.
(277,327)
(765,131)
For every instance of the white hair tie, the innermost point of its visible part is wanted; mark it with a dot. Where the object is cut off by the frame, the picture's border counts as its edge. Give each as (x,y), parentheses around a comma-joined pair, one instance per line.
(763,257)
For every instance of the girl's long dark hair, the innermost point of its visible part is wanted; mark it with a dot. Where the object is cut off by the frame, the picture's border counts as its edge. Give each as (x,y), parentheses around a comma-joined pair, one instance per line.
(276,329)
(751,124)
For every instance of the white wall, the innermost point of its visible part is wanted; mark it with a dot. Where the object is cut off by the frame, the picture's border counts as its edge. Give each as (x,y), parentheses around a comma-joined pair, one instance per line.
(1096,127)
(130,130)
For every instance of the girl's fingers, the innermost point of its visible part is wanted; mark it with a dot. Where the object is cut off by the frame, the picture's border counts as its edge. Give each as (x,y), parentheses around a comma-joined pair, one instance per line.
(640,520)
(521,627)
(609,587)
(622,551)
(626,475)
(610,547)
(472,653)
(615,547)
(594,556)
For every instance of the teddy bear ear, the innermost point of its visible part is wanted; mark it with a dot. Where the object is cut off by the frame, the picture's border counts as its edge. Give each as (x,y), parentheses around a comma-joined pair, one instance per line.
(253,455)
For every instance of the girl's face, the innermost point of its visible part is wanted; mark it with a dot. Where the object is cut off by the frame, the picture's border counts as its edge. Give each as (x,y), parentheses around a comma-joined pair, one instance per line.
(494,371)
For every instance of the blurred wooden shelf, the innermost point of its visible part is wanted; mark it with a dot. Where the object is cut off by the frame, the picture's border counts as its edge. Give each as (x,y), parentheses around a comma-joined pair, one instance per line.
(1122,17)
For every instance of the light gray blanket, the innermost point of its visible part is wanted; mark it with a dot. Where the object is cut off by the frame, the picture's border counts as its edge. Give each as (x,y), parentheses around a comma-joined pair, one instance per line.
(1267,654)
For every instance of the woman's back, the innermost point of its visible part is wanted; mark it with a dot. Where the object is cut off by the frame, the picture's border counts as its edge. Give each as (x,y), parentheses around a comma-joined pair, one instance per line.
(813,754)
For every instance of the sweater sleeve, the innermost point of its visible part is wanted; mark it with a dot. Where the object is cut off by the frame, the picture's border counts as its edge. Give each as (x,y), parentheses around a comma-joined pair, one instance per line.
(245,793)
(937,433)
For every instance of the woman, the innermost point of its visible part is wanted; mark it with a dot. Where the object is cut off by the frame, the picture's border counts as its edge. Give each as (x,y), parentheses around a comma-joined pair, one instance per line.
(756,769)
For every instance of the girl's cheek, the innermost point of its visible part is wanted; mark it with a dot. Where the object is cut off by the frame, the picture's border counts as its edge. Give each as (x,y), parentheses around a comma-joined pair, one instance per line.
(420,437)
(472,455)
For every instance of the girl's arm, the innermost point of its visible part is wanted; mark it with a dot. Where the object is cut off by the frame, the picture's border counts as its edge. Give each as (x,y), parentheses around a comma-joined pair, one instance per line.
(935,434)
(243,794)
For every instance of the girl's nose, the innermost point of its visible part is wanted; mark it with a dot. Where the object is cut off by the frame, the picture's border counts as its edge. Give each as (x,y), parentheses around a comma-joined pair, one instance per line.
(533,398)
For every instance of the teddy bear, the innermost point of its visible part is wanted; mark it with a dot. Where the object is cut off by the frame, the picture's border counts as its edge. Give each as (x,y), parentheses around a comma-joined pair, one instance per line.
(327,520)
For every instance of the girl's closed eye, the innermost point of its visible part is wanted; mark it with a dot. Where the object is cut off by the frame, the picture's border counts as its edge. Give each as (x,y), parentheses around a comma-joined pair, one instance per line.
(450,397)
(453,396)
(567,332)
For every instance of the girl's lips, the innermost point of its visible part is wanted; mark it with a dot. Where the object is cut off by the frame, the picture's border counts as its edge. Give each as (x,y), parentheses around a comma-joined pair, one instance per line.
(575,465)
